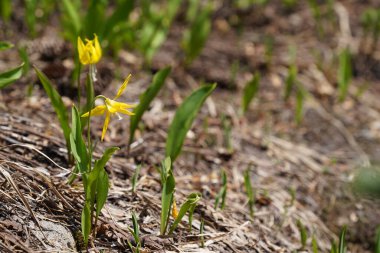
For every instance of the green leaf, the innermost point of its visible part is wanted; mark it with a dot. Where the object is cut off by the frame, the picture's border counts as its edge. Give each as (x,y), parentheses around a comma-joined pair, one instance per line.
(250,91)
(195,38)
(102,190)
(145,100)
(168,186)
(57,104)
(86,223)
(290,81)
(99,181)
(249,190)
(342,248)
(120,15)
(344,73)
(8,77)
(189,204)
(5,45)
(303,234)
(134,178)
(184,118)
(222,193)
(135,228)
(314,244)
(95,17)
(77,144)
(300,98)
(377,241)
(73,15)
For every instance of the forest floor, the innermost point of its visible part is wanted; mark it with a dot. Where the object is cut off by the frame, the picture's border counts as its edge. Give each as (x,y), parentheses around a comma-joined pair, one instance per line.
(299,171)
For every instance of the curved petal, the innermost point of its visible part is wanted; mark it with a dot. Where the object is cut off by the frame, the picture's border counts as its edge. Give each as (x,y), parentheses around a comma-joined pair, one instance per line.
(97,111)
(105,126)
(124,111)
(83,52)
(98,49)
(123,86)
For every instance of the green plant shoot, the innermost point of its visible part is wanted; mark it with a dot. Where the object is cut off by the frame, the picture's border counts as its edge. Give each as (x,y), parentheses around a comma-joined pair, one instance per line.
(344,73)
(188,206)
(250,91)
(168,187)
(220,200)
(250,192)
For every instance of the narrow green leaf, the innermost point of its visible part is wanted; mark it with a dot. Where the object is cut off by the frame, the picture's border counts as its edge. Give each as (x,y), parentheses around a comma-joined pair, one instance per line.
(184,118)
(221,197)
(121,14)
(8,77)
(191,201)
(195,38)
(201,231)
(73,15)
(135,228)
(334,248)
(86,223)
(344,73)
(5,45)
(57,104)
(303,234)
(314,245)
(77,144)
(102,190)
(168,186)
(145,100)
(342,241)
(290,81)
(250,91)
(249,190)
(377,241)
(300,98)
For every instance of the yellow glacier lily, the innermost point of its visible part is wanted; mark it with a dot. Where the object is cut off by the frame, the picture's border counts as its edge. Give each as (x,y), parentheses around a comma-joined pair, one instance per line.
(91,52)
(111,107)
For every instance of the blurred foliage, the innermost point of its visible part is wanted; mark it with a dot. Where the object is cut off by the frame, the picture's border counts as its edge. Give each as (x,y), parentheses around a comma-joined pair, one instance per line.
(367,181)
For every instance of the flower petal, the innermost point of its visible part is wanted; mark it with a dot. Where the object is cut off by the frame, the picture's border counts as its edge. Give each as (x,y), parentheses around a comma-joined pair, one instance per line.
(82,51)
(124,111)
(123,86)
(98,49)
(105,126)
(97,111)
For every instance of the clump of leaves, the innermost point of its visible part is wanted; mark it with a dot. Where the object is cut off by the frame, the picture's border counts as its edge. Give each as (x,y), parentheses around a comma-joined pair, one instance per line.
(167,198)
(196,36)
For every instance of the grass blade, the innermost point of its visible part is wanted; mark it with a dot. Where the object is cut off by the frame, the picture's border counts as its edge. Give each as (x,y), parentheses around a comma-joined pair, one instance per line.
(184,118)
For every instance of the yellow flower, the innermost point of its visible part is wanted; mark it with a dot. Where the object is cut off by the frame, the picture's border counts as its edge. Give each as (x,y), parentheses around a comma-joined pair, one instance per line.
(111,107)
(91,52)
(174,210)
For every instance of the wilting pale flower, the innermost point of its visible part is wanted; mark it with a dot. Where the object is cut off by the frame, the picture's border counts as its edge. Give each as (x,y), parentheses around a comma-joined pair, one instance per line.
(91,52)
(111,107)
